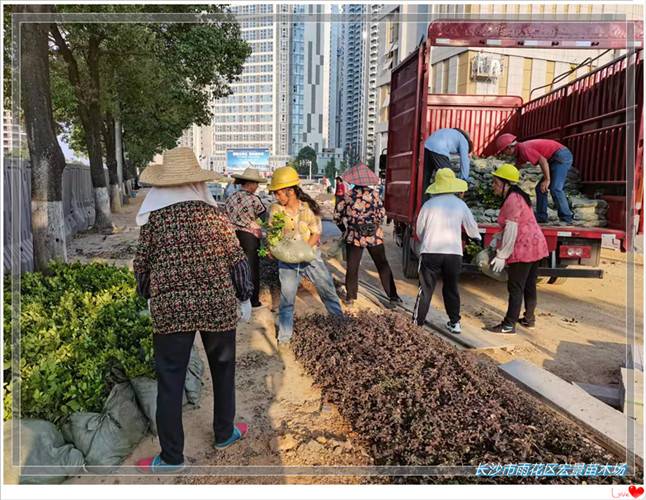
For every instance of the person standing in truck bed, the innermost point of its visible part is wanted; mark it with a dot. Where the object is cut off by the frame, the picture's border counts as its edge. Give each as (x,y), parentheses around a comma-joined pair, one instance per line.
(554,159)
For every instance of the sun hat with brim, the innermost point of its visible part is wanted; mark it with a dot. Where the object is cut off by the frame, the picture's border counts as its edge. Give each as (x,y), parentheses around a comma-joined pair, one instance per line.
(179,166)
(250,174)
(446,182)
(360,175)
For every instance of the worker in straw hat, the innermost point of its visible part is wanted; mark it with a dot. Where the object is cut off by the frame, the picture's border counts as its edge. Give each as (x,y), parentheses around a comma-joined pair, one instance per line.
(244,208)
(359,215)
(521,247)
(439,228)
(197,278)
(302,221)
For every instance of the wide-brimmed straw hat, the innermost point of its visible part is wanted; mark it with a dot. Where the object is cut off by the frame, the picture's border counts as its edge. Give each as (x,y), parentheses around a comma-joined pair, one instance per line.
(180,166)
(446,182)
(250,174)
(360,175)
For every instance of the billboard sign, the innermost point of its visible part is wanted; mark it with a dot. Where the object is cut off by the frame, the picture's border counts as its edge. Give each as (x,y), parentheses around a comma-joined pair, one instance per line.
(239,159)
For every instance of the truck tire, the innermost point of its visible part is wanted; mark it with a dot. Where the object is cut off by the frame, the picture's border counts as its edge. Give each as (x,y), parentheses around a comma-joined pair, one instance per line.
(409,261)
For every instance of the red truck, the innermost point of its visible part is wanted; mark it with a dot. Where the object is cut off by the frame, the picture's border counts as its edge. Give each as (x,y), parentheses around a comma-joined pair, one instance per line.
(598,116)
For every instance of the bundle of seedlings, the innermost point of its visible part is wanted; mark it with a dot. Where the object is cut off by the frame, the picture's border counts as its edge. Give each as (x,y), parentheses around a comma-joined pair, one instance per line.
(415,400)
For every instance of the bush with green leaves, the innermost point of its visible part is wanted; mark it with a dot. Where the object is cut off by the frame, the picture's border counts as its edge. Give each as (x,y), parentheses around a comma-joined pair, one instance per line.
(81,330)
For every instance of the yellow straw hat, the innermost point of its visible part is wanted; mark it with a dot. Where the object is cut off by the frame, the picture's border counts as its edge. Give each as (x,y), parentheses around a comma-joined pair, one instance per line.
(446,182)
(180,166)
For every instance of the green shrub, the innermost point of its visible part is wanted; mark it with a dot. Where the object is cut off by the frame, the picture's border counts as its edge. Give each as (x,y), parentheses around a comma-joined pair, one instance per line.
(81,328)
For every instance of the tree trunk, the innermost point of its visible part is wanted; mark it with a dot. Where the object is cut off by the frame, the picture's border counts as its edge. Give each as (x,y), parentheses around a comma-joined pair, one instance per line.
(47,159)
(90,114)
(120,156)
(112,162)
(93,140)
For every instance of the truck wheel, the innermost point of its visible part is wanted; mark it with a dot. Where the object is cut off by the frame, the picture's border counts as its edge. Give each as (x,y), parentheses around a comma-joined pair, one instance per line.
(557,280)
(409,261)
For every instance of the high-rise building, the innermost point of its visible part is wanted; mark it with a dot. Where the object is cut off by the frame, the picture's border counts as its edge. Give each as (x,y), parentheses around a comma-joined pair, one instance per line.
(360,42)
(310,79)
(371,62)
(257,113)
(335,79)
(13,137)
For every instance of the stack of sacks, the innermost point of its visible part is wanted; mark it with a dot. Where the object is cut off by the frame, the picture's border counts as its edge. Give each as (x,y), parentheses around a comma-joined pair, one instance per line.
(485,206)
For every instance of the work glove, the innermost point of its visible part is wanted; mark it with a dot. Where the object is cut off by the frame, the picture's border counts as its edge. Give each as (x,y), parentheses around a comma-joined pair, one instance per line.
(497,264)
(245,311)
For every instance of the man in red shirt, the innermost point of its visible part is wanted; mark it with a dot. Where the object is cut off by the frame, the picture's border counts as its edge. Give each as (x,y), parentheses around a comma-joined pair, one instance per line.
(554,159)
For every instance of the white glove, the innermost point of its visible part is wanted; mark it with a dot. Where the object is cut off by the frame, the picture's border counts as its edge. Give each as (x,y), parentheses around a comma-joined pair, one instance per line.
(497,264)
(245,311)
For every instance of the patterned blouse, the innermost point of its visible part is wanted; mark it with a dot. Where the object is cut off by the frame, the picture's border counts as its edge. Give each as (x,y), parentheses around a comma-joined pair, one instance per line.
(190,251)
(243,208)
(360,206)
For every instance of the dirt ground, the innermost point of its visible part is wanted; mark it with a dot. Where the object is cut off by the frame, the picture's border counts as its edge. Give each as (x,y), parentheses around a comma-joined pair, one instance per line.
(290,424)
(580,336)
(580,332)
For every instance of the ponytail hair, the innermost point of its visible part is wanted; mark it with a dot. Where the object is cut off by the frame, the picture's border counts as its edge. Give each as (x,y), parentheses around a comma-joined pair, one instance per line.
(513,188)
(303,196)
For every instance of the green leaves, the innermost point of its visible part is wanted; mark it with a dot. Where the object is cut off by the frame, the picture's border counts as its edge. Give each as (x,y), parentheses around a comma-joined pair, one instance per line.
(78,325)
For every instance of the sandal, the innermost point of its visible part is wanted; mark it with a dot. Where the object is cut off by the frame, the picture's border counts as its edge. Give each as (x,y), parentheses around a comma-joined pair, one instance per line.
(155,465)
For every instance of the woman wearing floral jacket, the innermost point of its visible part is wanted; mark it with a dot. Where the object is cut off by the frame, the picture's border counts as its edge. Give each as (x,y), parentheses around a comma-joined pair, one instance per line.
(190,265)
(359,215)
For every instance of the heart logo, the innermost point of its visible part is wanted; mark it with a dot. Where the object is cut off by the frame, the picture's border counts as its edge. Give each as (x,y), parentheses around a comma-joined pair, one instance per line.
(635,491)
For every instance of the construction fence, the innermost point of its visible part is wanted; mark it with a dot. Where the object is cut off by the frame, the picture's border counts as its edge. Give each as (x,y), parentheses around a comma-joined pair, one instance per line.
(78,207)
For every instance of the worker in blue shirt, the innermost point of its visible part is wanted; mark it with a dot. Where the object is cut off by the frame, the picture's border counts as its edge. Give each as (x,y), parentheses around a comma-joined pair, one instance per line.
(437,148)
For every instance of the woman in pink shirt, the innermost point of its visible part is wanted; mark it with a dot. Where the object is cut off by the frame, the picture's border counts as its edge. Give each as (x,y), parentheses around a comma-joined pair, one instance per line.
(521,247)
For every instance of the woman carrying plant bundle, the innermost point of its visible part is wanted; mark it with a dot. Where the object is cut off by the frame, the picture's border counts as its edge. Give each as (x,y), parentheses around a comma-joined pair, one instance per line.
(191,267)
(244,207)
(298,214)
(521,247)
(359,215)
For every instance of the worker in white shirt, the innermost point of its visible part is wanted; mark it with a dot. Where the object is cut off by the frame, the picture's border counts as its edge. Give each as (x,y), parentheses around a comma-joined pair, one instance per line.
(439,228)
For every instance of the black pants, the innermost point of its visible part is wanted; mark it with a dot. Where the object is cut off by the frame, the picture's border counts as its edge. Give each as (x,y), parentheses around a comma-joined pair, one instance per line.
(378,254)
(250,244)
(521,284)
(432,163)
(172,353)
(432,267)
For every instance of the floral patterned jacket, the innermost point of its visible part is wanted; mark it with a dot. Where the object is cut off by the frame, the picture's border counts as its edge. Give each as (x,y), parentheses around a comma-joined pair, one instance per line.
(360,206)
(191,254)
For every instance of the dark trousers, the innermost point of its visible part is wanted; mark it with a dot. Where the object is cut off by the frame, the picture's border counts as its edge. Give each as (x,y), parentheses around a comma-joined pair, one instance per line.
(172,353)
(521,284)
(250,244)
(432,163)
(378,254)
(432,267)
